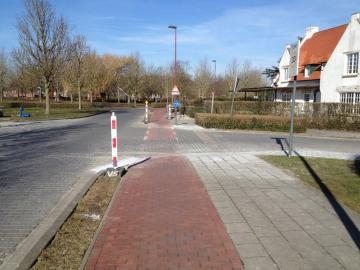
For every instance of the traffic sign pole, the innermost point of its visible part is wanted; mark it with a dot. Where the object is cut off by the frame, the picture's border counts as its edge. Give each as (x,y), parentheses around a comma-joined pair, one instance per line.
(293,72)
(291,139)
(236,83)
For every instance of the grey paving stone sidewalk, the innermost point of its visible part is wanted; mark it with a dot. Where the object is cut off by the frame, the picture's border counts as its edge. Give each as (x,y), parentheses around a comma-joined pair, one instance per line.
(275,220)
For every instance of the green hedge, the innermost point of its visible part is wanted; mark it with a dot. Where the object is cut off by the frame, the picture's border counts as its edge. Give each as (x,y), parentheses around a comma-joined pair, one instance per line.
(250,122)
(158,105)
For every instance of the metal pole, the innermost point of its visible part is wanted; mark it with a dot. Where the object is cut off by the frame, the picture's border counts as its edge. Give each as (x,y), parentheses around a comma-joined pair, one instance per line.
(175,60)
(232,105)
(291,139)
(167,92)
(213,92)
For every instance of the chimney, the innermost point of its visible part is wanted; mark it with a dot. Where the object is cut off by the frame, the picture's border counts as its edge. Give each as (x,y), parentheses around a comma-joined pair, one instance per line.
(355,17)
(310,31)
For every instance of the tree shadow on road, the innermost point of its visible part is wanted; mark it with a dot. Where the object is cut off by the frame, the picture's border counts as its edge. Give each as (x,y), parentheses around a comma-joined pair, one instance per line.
(281,141)
(344,217)
(355,167)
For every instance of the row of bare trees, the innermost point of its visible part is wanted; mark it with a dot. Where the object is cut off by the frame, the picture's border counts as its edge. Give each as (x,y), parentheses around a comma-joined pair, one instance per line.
(50,60)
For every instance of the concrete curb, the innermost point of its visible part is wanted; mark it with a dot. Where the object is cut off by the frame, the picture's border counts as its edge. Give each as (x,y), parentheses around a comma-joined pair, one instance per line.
(29,249)
(101,225)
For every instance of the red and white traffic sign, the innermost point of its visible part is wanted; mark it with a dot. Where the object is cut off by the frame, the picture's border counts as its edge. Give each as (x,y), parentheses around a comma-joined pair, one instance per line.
(175,91)
(114,140)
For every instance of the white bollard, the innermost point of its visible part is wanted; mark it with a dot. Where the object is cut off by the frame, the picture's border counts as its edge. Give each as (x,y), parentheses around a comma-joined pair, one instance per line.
(169,112)
(114,140)
(146,113)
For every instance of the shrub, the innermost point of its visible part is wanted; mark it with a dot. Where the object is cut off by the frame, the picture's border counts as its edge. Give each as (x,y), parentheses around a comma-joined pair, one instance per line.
(252,122)
(158,105)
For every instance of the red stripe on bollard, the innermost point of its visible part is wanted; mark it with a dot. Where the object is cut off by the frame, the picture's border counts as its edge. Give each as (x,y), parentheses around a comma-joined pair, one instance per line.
(113,124)
(114,161)
(114,142)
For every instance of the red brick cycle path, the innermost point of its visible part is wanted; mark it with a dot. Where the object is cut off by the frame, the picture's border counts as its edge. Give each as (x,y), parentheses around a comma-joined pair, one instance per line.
(163,218)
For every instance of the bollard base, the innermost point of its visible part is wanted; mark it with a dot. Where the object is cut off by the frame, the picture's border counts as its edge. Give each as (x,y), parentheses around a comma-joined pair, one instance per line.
(113,172)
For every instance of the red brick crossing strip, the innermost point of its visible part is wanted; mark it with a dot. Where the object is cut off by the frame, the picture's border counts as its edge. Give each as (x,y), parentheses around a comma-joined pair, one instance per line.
(160,127)
(162,218)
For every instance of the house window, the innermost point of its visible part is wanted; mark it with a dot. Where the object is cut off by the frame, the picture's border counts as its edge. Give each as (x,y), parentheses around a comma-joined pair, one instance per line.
(309,69)
(306,97)
(286,97)
(286,74)
(357,98)
(350,98)
(342,97)
(352,63)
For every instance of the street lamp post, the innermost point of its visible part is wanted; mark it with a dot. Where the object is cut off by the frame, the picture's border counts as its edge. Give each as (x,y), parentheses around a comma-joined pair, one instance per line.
(174,71)
(213,91)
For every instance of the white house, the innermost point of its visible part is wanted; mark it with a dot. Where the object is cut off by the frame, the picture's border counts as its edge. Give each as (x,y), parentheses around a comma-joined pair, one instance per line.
(340,79)
(316,48)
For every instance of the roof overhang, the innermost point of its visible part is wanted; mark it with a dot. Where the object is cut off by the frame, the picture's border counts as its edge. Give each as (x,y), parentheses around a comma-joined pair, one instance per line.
(290,88)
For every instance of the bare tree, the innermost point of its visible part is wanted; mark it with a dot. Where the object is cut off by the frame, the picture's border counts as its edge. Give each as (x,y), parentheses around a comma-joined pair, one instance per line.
(184,79)
(80,50)
(232,70)
(43,38)
(94,73)
(203,77)
(3,73)
(133,76)
(251,76)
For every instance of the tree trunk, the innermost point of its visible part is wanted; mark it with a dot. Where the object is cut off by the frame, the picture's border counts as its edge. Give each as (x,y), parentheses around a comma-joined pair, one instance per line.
(47,99)
(135,100)
(79,93)
(71,98)
(1,94)
(91,96)
(118,95)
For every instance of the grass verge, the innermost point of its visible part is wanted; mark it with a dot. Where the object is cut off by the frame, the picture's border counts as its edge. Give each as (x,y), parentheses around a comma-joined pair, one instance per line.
(68,247)
(55,113)
(342,177)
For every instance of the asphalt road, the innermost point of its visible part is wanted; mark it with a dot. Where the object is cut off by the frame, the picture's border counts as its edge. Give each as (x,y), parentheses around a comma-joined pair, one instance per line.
(41,161)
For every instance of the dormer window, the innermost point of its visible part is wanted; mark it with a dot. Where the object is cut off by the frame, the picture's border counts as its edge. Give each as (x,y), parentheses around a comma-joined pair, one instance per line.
(352,63)
(309,69)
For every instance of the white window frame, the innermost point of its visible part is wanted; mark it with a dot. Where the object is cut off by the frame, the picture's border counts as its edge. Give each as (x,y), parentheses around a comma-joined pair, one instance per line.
(350,97)
(286,73)
(307,71)
(352,63)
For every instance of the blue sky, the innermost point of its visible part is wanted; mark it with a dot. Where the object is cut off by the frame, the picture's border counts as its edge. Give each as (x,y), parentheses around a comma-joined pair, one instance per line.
(256,31)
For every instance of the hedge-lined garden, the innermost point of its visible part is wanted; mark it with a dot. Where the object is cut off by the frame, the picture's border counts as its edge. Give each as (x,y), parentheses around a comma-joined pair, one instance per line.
(249,122)
(331,116)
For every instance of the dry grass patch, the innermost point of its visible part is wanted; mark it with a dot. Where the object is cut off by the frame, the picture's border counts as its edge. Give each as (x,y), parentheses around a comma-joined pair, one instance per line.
(67,249)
